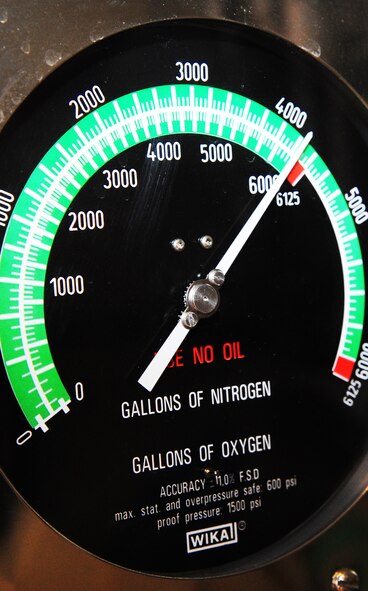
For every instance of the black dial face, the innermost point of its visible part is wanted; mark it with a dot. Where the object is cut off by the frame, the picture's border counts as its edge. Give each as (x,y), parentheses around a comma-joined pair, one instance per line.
(185,359)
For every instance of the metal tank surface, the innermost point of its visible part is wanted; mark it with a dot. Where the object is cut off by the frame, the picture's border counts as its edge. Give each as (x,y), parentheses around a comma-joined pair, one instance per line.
(36,37)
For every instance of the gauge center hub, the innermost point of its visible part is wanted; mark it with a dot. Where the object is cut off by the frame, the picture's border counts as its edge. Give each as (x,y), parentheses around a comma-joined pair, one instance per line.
(202,297)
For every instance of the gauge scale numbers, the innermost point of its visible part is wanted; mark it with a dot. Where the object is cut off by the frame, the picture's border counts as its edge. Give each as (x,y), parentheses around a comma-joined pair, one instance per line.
(183,210)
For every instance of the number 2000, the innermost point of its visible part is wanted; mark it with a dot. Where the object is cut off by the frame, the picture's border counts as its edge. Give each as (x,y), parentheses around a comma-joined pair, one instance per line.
(86,220)
(85,102)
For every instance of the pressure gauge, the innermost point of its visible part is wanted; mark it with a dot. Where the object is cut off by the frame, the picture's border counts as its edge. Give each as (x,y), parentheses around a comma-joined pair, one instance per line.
(183,215)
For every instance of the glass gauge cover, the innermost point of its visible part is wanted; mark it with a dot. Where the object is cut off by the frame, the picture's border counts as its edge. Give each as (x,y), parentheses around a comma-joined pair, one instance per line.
(183,219)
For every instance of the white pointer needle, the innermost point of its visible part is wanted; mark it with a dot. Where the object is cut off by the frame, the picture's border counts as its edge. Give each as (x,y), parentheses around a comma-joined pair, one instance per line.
(161,360)
(238,243)
(157,366)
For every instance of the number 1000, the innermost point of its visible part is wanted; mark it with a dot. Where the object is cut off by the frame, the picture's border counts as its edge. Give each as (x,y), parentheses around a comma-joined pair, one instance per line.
(70,285)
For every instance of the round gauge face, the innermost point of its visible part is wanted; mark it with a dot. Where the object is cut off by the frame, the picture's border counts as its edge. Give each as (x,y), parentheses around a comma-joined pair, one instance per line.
(183,216)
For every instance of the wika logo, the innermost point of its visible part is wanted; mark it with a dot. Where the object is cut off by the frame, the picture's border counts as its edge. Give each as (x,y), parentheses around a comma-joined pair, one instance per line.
(212,537)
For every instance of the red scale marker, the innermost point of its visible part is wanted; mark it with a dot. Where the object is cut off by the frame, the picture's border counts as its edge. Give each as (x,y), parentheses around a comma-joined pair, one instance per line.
(343,368)
(296,174)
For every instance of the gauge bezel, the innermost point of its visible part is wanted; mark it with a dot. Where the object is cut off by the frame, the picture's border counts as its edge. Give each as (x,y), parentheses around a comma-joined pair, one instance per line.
(341,502)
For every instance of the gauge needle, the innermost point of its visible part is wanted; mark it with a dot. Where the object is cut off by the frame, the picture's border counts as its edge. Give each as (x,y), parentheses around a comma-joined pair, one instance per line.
(157,366)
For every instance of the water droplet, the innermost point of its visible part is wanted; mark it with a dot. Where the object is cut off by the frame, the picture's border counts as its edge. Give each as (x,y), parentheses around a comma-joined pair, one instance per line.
(313,47)
(26,47)
(16,98)
(119,3)
(52,57)
(3,15)
(96,34)
(2,116)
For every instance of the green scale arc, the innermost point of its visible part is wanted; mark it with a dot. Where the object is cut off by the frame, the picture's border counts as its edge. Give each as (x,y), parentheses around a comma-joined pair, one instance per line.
(84,149)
